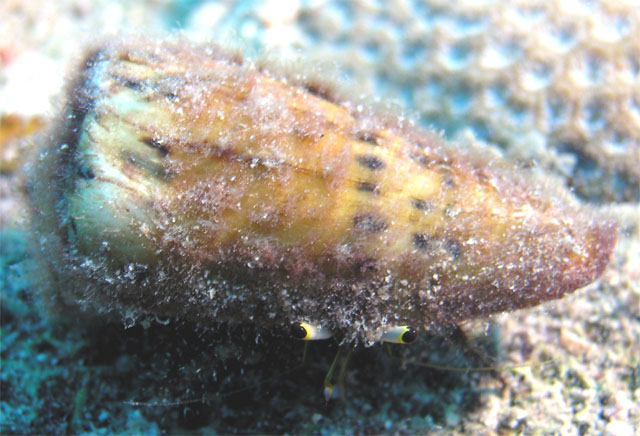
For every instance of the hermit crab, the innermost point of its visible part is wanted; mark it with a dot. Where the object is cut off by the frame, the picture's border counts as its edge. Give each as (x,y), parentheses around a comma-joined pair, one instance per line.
(184,180)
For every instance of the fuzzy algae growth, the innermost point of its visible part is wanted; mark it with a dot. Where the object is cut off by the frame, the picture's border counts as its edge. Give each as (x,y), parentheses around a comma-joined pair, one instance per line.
(182,180)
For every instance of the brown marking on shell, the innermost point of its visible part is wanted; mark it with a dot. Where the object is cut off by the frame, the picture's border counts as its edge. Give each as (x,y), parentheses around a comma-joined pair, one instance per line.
(369,222)
(421,205)
(368,137)
(374,188)
(371,162)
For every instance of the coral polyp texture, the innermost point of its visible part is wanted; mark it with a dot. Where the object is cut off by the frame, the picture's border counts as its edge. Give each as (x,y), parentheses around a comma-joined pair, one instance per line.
(561,75)
(183,180)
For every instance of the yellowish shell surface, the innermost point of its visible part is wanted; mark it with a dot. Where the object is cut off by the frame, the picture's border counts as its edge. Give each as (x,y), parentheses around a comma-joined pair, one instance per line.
(185,181)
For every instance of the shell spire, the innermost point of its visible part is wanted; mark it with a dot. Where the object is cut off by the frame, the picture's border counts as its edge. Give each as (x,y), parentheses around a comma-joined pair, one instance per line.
(182,180)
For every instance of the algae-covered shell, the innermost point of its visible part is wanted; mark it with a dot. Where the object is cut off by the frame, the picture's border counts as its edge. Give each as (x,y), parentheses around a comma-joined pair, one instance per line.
(183,180)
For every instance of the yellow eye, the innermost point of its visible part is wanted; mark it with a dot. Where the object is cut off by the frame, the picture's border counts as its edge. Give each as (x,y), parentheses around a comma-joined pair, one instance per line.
(309,332)
(402,334)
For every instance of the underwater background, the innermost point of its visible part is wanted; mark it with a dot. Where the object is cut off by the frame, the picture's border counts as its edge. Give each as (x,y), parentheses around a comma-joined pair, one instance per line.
(554,86)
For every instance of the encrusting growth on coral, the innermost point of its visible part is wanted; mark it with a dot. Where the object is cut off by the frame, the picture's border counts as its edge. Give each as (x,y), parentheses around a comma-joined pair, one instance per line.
(183,180)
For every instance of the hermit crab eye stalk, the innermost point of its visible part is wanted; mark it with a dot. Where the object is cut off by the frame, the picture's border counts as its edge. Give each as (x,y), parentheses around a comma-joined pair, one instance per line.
(402,334)
(309,332)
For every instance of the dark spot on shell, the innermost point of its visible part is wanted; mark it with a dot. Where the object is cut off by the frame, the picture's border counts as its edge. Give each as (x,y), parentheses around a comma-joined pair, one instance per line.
(423,242)
(136,85)
(453,248)
(368,187)
(369,223)
(420,159)
(449,182)
(427,243)
(421,205)
(368,137)
(171,96)
(370,161)
(153,143)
